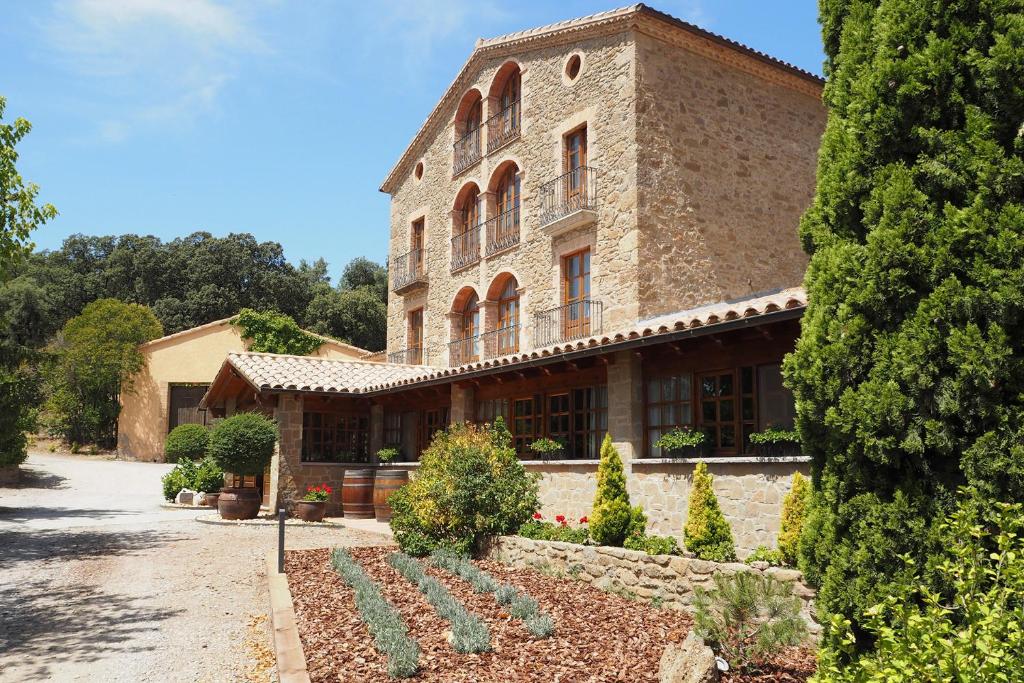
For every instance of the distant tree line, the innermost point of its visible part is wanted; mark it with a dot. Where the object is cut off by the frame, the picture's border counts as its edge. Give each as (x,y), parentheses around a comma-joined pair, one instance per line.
(190,281)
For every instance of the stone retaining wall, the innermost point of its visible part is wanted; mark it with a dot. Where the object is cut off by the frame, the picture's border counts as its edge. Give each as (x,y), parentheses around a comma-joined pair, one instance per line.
(670,578)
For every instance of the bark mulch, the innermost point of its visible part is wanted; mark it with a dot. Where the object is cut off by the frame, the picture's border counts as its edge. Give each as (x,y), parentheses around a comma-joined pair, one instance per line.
(598,636)
(791,665)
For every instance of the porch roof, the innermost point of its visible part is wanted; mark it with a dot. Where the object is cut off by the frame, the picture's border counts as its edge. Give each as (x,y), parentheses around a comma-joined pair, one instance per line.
(268,372)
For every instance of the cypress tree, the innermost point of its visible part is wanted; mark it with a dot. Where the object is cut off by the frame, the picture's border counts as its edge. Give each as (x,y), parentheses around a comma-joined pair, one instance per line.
(706,533)
(908,374)
(610,518)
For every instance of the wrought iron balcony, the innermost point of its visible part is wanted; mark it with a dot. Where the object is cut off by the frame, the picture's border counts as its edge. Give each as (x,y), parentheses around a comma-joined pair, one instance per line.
(503,127)
(467,150)
(482,346)
(408,271)
(575,320)
(569,201)
(466,248)
(414,355)
(502,231)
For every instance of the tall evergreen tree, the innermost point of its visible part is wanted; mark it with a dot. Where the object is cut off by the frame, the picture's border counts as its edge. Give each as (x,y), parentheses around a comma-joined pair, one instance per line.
(909,373)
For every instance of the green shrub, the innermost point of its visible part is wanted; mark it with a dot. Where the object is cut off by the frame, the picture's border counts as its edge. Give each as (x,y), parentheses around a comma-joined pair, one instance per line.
(653,545)
(186,441)
(469,633)
(794,511)
(971,630)
(609,521)
(637,522)
(707,534)
(273,332)
(765,554)
(540,530)
(388,454)
(775,435)
(680,439)
(209,477)
(747,616)
(183,476)
(546,448)
(469,485)
(244,443)
(390,634)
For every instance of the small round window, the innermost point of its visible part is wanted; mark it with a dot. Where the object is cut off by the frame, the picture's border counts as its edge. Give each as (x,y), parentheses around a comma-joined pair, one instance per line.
(418,171)
(573,66)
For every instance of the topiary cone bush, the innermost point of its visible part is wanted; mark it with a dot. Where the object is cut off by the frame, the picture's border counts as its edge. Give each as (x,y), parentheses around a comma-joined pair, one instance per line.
(186,441)
(707,534)
(794,509)
(243,444)
(609,521)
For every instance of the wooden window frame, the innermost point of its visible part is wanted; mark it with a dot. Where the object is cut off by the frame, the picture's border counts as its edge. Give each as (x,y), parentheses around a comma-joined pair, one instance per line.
(327,435)
(508,317)
(575,323)
(415,331)
(678,403)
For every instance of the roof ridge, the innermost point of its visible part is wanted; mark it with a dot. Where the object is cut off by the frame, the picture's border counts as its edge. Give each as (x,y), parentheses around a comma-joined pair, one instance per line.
(228,319)
(359,361)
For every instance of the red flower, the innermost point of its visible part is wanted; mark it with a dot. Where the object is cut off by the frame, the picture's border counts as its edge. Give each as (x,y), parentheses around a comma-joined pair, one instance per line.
(537,515)
(560,518)
(583,520)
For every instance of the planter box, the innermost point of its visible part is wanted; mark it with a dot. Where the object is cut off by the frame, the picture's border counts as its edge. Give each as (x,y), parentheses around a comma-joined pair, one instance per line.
(701,451)
(780,449)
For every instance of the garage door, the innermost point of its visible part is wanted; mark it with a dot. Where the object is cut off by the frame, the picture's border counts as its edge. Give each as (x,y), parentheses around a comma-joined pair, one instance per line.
(185,405)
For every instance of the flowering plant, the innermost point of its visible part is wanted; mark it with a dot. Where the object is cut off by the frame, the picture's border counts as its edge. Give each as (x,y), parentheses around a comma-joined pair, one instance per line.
(561,520)
(538,516)
(317,493)
(584,520)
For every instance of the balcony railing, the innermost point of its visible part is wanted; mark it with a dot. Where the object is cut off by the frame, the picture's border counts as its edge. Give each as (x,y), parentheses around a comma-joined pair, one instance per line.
(408,269)
(414,355)
(467,150)
(466,248)
(482,346)
(503,127)
(462,351)
(502,231)
(568,193)
(572,321)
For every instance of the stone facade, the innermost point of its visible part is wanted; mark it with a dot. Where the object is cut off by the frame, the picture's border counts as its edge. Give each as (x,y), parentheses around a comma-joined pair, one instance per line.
(670,578)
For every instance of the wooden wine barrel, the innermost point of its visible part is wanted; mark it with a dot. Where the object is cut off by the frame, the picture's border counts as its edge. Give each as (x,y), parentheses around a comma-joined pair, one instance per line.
(386,483)
(357,494)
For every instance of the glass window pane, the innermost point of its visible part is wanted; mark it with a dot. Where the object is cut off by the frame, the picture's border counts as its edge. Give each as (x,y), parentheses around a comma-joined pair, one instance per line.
(653,416)
(725,411)
(653,391)
(728,436)
(685,414)
(708,387)
(748,408)
(684,387)
(747,375)
(708,412)
(668,415)
(725,387)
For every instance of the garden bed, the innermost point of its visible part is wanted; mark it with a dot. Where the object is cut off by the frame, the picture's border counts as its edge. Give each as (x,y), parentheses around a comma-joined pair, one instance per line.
(598,636)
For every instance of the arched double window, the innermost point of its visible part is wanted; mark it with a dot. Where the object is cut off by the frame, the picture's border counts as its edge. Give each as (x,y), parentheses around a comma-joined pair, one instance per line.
(504,125)
(468,126)
(465,347)
(503,338)
(466,219)
(503,228)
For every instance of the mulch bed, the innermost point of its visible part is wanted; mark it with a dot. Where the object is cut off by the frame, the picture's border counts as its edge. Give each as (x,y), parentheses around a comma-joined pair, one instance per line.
(791,665)
(599,636)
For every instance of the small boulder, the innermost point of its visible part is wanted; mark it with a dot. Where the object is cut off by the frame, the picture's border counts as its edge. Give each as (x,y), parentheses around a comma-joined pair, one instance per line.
(688,662)
(184,497)
(199,498)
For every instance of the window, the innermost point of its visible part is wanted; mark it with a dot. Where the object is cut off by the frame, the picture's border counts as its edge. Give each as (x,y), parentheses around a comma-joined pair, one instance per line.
(475,116)
(575,163)
(434,420)
(469,342)
(507,230)
(488,410)
(470,210)
(572,67)
(415,348)
(559,417)
(416,244)
(669,405)
(466,226)
(718,409)
(335,437)
(392,429)
(590,422)
(576,295)
(508,318)
(510,93)
(776,403)
(526,424)
(418,171)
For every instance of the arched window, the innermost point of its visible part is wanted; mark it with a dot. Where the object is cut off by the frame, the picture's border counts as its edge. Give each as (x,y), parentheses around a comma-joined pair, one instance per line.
(466,349)
(503,229)
(508,318)
(468,121)
(503,126)
(466,228)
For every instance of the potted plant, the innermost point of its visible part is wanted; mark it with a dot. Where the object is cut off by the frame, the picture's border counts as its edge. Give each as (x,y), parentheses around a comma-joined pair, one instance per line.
(774,442)
(386,483)
(242,444)
(683,442)
(546,449)
(314,504)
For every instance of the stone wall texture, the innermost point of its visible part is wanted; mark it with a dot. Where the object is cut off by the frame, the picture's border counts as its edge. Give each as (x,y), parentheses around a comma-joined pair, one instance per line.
(749,493)
(670,578)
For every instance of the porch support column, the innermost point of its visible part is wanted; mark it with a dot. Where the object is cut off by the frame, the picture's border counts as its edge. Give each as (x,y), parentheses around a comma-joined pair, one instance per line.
(462,403)
(626,405)
(288,454)
(376,429)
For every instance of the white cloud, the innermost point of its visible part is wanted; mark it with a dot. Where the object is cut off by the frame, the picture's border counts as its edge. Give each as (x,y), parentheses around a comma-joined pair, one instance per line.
(156,62)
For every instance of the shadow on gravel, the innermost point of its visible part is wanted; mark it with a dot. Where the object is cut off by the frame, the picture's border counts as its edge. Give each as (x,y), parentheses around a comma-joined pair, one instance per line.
(59,625)
(32,478)
(77,544)
(25,514)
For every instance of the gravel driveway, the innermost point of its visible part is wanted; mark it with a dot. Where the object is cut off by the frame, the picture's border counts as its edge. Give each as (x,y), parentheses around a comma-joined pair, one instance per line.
(99,583)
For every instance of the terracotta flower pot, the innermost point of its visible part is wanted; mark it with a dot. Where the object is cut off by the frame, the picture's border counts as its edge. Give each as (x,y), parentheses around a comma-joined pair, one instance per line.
(311,510)
(211,499)
(239,503)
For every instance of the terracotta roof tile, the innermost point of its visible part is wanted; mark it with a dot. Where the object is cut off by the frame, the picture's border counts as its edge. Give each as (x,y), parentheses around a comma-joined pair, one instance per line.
(278,372)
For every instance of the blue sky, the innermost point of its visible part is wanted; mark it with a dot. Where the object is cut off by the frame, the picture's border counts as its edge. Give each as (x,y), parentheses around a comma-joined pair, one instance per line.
(277,118)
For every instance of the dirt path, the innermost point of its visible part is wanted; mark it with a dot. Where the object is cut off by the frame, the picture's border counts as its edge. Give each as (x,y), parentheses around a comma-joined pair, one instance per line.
(99,583)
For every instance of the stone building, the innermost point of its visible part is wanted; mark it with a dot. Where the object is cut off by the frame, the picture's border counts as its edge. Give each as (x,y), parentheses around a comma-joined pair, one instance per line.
(594,230)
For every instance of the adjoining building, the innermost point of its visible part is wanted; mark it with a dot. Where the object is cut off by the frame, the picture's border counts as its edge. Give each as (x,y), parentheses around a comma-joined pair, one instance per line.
(595,230)
(176,375)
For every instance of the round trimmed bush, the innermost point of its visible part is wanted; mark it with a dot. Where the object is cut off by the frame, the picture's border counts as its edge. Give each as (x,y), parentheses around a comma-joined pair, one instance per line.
(243,443)
(186,441)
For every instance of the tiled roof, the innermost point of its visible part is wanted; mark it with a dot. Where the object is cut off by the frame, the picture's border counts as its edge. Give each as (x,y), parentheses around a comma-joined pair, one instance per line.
(279,372)
(690,319)
(565,30)
(225,321)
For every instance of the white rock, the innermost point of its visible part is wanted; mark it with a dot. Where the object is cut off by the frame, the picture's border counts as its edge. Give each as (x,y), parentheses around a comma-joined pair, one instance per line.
(688,662)
(184,497)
